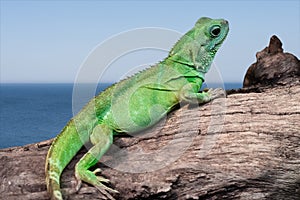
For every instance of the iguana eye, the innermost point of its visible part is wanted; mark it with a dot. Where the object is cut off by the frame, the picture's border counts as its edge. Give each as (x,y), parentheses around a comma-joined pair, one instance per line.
(215,31)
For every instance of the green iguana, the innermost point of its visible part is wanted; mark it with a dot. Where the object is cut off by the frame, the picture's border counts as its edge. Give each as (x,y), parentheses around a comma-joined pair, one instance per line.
(135,104)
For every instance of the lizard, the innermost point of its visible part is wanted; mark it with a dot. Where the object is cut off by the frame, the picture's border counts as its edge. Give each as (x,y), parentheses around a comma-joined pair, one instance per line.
(136,103)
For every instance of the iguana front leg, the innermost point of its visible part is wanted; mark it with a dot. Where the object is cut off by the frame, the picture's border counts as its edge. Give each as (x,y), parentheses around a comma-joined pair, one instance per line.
(101,138)
(190,94)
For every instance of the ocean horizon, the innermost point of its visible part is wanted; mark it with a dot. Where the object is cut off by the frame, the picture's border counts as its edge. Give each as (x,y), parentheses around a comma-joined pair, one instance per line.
(31,112)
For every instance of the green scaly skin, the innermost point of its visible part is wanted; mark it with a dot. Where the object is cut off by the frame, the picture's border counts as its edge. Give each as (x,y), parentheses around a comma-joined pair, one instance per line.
(135,104)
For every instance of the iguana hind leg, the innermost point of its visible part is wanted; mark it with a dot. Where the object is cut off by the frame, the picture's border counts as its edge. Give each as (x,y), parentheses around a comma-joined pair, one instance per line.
(101,138)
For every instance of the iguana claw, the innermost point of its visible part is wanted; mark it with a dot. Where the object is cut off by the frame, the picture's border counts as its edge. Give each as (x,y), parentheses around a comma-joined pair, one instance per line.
(216,93)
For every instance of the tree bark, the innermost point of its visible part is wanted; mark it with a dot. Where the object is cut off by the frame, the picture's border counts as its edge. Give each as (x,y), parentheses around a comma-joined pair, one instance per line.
(246,146)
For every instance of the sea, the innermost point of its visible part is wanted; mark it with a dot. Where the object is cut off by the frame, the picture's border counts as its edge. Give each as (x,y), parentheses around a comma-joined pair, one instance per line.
(30,113)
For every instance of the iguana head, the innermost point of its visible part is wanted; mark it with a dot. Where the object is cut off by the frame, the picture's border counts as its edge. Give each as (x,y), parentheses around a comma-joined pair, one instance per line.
(198,47)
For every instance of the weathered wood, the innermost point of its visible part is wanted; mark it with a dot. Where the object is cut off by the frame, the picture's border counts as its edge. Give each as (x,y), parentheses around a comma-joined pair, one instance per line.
(246,146)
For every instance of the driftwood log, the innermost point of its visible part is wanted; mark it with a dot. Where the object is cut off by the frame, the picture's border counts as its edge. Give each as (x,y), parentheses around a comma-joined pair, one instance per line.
(245,146)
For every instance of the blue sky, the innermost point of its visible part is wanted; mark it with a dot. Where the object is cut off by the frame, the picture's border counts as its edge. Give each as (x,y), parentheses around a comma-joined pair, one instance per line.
(47,41)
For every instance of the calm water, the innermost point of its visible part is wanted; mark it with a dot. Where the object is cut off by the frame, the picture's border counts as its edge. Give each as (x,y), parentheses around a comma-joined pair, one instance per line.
(32,113)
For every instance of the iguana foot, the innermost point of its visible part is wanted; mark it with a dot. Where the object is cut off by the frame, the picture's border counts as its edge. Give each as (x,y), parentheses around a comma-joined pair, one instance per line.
(216,93)
(101,179)
(91,178)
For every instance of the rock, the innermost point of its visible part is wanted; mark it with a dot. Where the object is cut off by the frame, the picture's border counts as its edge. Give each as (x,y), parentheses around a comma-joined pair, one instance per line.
(273,67)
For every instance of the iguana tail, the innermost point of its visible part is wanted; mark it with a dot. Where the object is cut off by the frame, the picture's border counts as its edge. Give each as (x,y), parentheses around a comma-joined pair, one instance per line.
(63,149)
